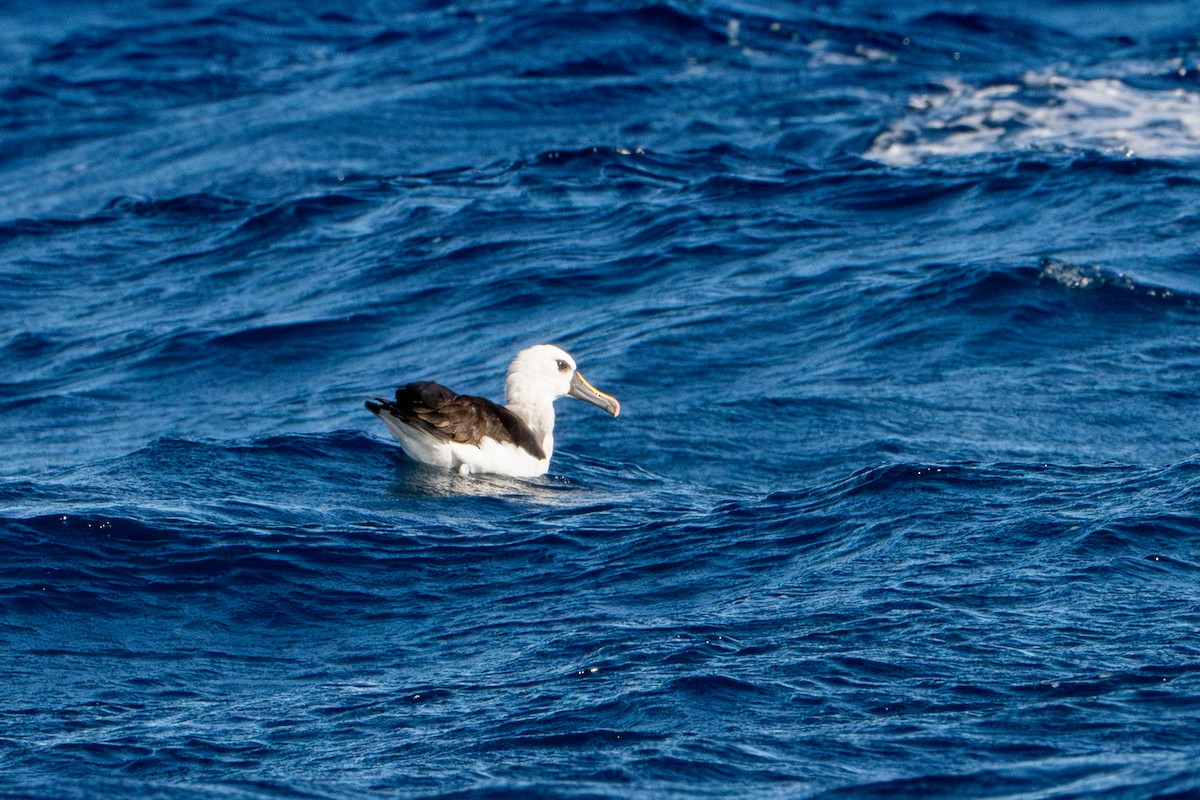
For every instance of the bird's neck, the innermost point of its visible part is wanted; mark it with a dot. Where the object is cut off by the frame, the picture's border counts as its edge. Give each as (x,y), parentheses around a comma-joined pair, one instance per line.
(538,415)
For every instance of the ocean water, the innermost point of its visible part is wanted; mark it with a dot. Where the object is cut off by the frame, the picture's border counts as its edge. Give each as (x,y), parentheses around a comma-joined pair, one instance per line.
(901,302)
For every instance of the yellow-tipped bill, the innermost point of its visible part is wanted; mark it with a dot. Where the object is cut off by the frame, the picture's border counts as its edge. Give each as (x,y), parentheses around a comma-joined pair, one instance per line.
(585,391)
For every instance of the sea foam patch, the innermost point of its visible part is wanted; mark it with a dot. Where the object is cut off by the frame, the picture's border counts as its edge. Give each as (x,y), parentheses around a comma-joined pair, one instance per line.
(1043,112)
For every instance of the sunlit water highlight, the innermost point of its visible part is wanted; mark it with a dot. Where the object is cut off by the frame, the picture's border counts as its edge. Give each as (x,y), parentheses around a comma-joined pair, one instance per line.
(901,307)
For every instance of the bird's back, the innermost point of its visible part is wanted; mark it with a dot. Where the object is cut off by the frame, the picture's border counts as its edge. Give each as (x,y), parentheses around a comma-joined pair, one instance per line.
(428,418)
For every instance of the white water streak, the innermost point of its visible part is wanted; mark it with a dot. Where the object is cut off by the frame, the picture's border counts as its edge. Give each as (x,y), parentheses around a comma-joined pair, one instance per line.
(1044,112)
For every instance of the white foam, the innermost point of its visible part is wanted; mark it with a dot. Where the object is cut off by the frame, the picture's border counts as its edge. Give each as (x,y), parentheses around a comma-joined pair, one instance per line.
(1044,112)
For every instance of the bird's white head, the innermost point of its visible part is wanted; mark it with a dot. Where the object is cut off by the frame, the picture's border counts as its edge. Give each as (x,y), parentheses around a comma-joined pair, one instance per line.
(544,372)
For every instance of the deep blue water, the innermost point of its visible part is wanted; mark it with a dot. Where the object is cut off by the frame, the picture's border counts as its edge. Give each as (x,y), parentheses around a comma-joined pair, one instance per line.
(902,304)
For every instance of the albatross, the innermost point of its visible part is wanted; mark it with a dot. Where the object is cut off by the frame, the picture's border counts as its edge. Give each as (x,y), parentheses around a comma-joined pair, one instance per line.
(472,434)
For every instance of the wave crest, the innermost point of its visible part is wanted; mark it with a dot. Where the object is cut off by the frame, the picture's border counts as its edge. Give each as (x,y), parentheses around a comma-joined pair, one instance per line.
(1043,112)
(1098,278)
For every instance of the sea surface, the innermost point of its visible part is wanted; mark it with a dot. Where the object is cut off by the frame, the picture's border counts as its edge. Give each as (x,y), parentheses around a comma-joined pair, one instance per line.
(901,302)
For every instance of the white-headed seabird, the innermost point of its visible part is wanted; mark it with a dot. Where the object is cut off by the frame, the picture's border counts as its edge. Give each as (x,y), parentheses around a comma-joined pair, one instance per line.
(472,434)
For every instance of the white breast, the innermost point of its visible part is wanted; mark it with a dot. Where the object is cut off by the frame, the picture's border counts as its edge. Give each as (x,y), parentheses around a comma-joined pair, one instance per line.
(503,459)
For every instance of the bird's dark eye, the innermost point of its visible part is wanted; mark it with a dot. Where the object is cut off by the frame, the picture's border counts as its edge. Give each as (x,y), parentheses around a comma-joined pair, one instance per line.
(563,366)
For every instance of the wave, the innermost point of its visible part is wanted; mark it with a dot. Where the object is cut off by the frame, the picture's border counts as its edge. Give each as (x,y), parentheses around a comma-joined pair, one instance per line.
(1104,280)
(1043,772)
(167,469)
(983,284)
(994,296)
(203,206)
(636,613)
(226,226)
(1047,113)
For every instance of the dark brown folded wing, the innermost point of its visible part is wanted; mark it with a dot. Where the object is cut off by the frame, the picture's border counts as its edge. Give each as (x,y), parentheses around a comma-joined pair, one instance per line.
(433,408)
